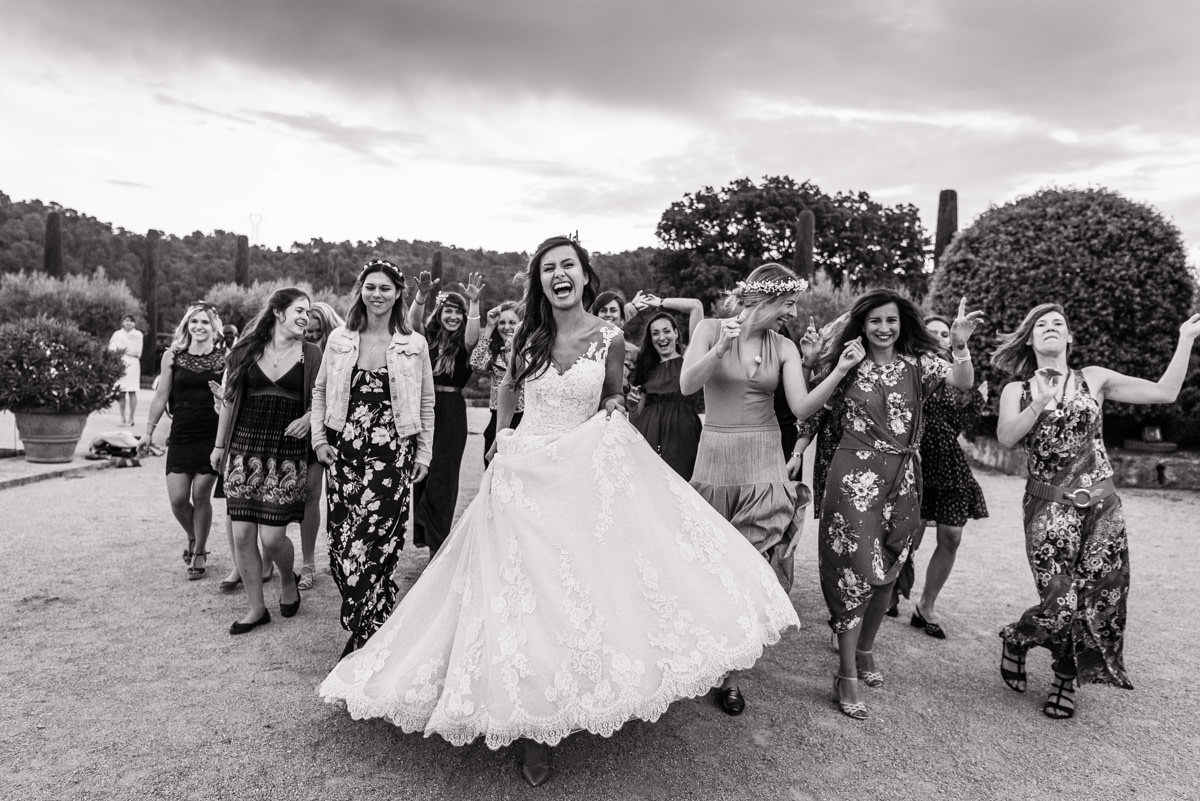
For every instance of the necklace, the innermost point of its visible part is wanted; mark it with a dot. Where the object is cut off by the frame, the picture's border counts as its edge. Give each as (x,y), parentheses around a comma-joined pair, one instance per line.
(278,357)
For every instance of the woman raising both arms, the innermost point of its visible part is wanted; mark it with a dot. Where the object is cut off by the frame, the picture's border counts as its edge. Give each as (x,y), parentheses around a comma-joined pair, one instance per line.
(1074,525)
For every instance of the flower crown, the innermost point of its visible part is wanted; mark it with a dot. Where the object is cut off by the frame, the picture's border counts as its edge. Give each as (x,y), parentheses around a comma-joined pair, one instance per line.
(774,286)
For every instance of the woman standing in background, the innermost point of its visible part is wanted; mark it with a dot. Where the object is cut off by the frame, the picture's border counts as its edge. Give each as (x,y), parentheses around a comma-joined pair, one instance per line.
(127,340)
(451,331)
(490,358)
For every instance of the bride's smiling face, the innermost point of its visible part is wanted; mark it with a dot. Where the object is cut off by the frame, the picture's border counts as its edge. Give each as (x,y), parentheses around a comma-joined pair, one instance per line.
(562,277)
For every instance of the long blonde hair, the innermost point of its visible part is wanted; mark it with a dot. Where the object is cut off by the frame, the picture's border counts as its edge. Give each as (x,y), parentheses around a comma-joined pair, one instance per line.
(182,338)
(1014,355)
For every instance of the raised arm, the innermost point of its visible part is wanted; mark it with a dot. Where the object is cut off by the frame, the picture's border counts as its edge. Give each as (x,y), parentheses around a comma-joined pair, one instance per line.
(802,402)
(962,370)
(693,308)
(416,312)
(471,291)
(1111,385)
(1014,422)
(709,345)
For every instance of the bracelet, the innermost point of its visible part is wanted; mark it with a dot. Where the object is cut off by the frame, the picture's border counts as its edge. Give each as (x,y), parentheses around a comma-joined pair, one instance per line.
(469,317)
(419,300)
(218,447)
(966,357)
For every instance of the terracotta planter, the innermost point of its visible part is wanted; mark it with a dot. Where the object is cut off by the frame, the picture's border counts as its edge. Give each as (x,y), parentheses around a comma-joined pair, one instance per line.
(49,437)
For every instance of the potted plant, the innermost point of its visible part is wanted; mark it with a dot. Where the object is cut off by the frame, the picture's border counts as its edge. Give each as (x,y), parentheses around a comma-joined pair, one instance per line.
(52,376)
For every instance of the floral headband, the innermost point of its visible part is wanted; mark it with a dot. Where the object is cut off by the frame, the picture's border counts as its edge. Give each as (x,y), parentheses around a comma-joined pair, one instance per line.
(453,298)
(774,286)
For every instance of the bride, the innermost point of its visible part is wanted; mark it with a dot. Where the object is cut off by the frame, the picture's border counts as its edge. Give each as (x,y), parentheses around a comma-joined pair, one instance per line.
(587,584)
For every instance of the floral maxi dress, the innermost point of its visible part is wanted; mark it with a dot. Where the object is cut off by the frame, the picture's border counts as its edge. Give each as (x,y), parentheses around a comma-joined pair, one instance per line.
(368,503)
(871,506)
(1079,557)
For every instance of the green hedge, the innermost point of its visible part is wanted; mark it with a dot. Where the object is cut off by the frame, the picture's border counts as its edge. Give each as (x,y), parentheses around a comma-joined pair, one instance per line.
(95,304)
(1117,267)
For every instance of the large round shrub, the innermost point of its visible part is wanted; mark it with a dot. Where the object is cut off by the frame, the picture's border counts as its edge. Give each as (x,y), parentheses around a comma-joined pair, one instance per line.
(1117,267)
(51,365)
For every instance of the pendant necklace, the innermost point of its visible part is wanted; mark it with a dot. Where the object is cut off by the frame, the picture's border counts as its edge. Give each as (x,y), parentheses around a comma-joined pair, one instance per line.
(279,356)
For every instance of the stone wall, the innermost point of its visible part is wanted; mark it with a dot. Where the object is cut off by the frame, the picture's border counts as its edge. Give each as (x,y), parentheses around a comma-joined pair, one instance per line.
(1179,470)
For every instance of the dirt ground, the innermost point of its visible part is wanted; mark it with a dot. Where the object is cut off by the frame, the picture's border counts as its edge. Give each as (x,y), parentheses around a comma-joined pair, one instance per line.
(121,681)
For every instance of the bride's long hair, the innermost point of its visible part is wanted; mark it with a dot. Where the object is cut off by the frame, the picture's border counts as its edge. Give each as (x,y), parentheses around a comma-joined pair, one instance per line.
(535,336)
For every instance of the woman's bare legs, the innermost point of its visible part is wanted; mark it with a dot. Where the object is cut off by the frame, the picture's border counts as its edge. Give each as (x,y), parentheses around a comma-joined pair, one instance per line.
(940,565)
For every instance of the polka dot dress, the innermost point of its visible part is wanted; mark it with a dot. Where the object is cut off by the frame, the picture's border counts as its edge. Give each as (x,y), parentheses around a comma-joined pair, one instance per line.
(951,494)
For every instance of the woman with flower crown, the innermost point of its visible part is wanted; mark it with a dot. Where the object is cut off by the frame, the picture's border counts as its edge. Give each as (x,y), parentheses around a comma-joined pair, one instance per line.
(587,584)
(740,361)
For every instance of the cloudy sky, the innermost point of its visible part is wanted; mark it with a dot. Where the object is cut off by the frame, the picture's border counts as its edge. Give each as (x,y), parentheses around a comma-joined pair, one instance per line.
(491,124)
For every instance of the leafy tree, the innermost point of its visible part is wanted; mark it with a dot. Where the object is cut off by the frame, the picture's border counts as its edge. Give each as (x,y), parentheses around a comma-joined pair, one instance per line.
(715,237)
(1117,267)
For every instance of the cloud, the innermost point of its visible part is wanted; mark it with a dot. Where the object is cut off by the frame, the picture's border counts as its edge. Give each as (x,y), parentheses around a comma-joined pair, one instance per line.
(364,140)
(129,184)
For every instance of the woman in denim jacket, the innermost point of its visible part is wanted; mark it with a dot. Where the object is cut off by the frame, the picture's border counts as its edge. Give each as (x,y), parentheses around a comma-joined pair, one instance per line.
(373,403)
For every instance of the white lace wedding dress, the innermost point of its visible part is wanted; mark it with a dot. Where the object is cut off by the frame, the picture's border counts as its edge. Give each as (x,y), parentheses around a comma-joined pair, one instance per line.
(586,584)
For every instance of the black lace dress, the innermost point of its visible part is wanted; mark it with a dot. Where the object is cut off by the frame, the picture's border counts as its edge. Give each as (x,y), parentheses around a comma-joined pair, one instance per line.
(193,417)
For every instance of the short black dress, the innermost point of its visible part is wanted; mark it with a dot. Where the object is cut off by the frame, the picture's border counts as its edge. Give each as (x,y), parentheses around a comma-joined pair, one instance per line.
(193,418)
(951,494)
(434,498)
(668,419)
(265,476)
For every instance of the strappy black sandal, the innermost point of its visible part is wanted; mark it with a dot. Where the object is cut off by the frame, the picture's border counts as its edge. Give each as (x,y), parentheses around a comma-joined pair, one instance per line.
(1013,676)
(194,572)
(1060,703)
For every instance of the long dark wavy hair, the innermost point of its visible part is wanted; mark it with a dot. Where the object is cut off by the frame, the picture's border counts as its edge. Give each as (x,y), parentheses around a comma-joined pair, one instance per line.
(914,338)
(444,344)
(356,319)
(1013,355)
(535,338)
(648,358)
(255,337)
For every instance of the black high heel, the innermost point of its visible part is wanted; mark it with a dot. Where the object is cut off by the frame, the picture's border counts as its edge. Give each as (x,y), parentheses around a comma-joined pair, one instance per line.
(537,772)
(194,572)
(290,610)
(242,628)
(1014,678)
(1060,703)
(918,621)
(731,701)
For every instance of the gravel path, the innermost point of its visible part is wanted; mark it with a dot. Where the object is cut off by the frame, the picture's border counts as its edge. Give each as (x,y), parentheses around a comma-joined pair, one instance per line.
(121,681)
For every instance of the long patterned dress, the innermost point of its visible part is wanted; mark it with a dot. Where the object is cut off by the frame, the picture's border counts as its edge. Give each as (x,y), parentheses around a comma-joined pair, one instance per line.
(585,585)
(871,509)
(367,492)
(1079,557)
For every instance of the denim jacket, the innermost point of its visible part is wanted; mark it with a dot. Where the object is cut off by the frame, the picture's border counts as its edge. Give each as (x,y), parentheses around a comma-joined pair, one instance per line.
(410,378)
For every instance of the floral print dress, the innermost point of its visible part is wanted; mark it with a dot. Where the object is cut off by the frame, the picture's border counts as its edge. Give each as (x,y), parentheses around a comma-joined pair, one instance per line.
(871,506)
(368,503)
(1079,557)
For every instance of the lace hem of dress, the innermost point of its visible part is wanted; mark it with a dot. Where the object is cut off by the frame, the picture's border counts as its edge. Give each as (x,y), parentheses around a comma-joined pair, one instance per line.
(413,717)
